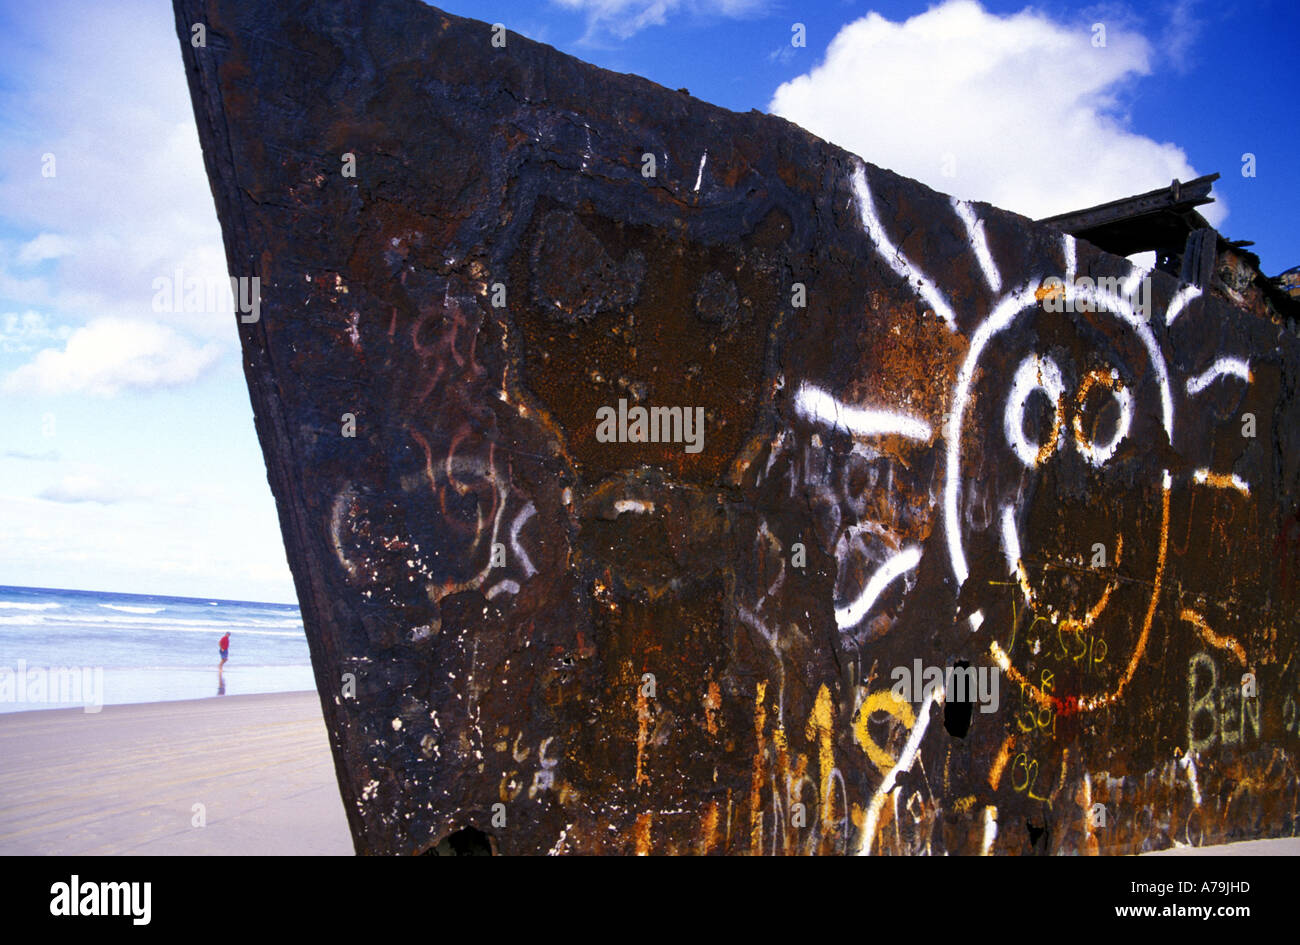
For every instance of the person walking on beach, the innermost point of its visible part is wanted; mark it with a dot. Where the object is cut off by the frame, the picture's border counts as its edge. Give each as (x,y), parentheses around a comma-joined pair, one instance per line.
(224,646)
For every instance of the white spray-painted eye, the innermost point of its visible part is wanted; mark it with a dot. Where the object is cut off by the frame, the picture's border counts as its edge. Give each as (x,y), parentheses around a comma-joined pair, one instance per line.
(1035,373)
(1099,453)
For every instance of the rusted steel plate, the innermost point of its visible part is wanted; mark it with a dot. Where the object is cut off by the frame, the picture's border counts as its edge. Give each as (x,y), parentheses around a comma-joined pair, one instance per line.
(883,450)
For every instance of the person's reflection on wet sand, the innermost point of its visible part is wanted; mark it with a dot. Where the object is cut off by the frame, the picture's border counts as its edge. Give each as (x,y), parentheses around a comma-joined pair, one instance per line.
(221,682)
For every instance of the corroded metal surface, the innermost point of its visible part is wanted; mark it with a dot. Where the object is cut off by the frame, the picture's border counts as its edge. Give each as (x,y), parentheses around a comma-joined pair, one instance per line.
(525,620)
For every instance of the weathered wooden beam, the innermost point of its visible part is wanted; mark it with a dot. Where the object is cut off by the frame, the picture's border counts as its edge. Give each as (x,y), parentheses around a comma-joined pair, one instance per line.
(1177,197)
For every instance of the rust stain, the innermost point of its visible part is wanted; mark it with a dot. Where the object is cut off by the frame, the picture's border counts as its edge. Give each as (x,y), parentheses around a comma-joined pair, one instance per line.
(756,784)
(712,703)
(1000,761)
(1212,638)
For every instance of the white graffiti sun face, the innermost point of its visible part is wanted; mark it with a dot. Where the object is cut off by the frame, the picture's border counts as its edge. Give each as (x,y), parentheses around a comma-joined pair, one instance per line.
(1065,412)
(1050,432)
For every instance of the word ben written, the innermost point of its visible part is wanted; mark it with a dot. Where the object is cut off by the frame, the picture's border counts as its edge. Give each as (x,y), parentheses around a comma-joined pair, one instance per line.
(651,425)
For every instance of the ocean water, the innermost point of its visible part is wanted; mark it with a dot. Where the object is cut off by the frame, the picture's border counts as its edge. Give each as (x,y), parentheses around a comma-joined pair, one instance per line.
(61,648)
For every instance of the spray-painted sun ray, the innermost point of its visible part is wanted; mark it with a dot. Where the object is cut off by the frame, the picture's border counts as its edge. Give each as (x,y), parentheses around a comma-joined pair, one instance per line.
(1069,250)
(813,403)
(1224,367)
(978,241)
(1178,304)
(893,255)
(848,617)
(1134,279)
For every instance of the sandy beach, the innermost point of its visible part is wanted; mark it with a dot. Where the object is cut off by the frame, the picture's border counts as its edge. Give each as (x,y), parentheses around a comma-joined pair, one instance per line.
(126,780)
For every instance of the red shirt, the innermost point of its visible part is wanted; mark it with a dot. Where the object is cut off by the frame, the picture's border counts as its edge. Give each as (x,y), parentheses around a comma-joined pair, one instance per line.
(225,642)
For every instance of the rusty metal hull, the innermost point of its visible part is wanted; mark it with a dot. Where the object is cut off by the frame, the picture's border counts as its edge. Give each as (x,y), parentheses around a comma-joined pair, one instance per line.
(526,620)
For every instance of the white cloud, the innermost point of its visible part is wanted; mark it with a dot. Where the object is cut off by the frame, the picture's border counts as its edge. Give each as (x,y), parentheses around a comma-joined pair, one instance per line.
(91,488)
(1021,111)
(1181,32)
(782,54)
(102,87)
(28,331)
(49,456)
(96,484)
(622,18)
(111,355)
(130,200)
(44,246)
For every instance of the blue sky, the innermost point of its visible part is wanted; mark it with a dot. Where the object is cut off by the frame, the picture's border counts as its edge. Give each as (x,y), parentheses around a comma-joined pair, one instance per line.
(128,460)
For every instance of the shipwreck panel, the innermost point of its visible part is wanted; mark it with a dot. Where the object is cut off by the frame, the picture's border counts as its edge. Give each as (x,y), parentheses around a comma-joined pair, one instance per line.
(646,469)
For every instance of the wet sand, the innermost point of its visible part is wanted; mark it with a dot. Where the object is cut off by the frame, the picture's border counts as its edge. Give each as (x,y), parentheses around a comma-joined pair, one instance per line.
(126,780)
